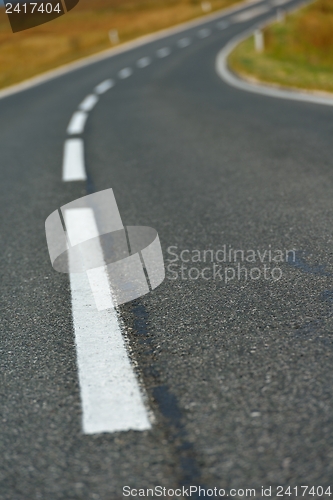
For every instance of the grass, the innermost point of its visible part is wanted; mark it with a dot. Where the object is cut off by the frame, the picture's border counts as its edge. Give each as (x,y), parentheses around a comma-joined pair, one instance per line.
(84,31)
(298,51)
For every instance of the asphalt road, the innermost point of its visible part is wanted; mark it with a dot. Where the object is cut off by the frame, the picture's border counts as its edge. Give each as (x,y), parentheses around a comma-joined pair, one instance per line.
(238,374)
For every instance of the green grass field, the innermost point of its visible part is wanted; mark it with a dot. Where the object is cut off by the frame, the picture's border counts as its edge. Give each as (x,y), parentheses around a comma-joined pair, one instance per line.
(298,51)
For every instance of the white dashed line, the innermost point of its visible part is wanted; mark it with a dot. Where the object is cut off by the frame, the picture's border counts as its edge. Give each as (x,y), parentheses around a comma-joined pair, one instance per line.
(77,123)
(110,393)
(125,73)
(89,102)
(104,86)
(184,42)
(204,33)
(73,168)
(250,14)
(143,62)
(222,25)
(81,226)
(165,51)
(279,2)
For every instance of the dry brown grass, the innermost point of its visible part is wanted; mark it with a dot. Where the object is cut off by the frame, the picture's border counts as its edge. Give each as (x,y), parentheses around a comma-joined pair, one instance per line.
(298,52)
(84,31)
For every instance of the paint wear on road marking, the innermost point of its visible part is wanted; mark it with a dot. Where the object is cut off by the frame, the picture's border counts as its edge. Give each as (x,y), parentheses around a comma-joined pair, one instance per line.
(110,393)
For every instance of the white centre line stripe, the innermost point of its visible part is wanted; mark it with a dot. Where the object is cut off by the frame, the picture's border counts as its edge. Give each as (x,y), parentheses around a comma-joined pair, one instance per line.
(204,33)
(165,51)
(110,393)
(184,42)
(89,102)
(104,86)
(73,168)
(77,123)
(249,14)
(143,62)
(125,73)
(222,25)
(279,2)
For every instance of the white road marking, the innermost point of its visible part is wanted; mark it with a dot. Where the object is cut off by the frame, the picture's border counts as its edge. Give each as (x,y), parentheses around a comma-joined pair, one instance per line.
(222,25)
(279,2)
(184,42)
(81,226)
(204,33)
(104,86)
(125,73)
(110,393)
(73,168)
(143,62)
(165,51)
(250,14)
(99,285)
(89,102)
(77,123)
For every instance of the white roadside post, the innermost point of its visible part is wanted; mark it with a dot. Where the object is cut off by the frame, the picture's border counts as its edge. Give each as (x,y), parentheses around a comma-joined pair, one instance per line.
(280,16)
(259,40)
(114,37)
(206,6)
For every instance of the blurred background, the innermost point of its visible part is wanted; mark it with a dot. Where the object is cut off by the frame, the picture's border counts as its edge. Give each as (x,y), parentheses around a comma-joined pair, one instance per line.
(90,27)
(297,49)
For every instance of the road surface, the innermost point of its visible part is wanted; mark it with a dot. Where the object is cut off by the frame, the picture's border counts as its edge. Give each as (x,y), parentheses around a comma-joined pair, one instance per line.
(236,365)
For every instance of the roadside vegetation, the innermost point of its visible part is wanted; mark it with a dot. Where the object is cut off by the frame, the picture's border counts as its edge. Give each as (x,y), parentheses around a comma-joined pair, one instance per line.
(298,51)
(85,31)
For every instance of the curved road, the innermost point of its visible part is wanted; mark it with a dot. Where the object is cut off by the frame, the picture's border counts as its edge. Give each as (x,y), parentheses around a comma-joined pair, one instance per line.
(237,369)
